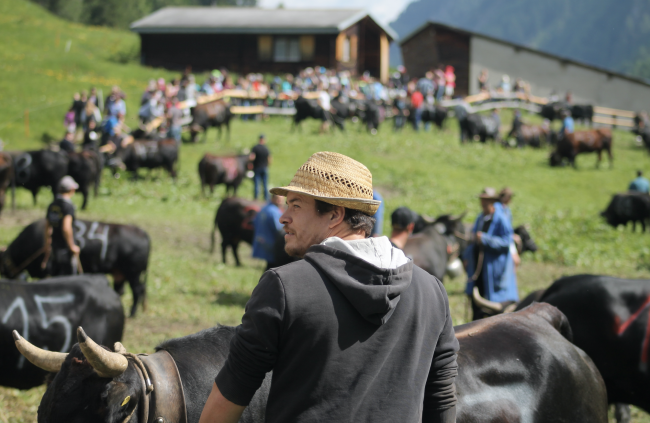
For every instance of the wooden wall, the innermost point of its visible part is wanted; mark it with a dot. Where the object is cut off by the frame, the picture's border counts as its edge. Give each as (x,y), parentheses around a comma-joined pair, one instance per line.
(235,52)
(435,46)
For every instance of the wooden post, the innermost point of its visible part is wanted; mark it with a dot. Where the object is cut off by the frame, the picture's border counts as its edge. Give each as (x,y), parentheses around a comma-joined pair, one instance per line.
(384,51)
(26,123)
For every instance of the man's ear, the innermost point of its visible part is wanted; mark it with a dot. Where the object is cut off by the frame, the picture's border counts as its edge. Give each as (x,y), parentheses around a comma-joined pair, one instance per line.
(410,228)
(338,213)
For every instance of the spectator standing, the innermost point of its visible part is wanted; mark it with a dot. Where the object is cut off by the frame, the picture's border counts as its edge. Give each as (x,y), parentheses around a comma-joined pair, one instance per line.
(175,116)
(69,120)
(450,81)
(417,102)
(90,137)
(78,104)
(483,80)
(399,106)
(440,83)
(487,258)
(379,215)
(639,184)
(268,230)
(261,158)
(325,103)
(402,223)
(568,125)
(59,231)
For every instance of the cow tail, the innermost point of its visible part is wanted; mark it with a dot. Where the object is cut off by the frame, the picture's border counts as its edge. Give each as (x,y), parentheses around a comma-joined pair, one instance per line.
(144,291)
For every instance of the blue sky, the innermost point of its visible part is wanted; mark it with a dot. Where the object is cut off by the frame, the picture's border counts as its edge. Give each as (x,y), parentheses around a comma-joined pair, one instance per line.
(384,10)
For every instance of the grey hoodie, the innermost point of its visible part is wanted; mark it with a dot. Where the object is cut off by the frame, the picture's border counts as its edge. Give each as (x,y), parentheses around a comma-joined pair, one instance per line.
(347,341)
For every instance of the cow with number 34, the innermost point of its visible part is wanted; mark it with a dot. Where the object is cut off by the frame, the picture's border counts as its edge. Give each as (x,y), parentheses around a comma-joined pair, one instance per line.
(119,250)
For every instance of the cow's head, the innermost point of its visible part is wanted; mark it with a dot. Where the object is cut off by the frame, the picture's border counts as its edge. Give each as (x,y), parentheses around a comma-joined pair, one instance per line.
(527,242)
(91,383)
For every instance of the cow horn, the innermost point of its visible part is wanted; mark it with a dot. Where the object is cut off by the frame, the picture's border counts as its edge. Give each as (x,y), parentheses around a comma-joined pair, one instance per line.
(47,360)
(487,304)
(106,364)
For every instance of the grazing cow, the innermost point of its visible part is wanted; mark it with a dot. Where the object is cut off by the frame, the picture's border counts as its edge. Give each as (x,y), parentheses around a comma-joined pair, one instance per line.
(626,207)
(609,318)
(149,155)
(214,114)
(533,135)
(6,177)
(437,243)
(435,114)
(235,218)
(522,367)
(227,170)
(594,140)
(583,113)
(86,169)
(36,169)
(516,368)
(46,313)
(121,250)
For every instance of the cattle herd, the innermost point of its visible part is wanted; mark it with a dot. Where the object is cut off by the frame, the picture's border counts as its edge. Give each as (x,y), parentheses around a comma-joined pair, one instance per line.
(562,354)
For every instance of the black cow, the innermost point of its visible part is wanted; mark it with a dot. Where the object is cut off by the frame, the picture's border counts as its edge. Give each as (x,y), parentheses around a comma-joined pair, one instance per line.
(40,168)
(527,243)
(583,113)
(86,169)
(435,114)
(148,155)
(516,368)
(46,313)
(473,125)
(6,177)
(522,367)
(227,170)
(553,111)
(121,250)
(435,243)
(235,221)
(310,109)
(609,318)
(214,114)
(628,207)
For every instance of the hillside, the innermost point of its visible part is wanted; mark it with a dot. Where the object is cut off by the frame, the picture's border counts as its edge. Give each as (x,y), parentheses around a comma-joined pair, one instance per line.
(605,33)
(44,60)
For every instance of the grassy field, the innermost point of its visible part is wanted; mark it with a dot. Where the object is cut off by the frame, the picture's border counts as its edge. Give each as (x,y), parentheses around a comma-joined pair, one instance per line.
(189,289)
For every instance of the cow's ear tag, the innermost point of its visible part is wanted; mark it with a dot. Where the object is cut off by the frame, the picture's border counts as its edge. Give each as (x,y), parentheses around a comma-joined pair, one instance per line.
(126,401)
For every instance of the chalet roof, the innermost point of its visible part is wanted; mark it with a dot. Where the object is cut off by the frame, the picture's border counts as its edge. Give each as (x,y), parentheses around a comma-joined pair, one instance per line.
(562,59)
(249,20)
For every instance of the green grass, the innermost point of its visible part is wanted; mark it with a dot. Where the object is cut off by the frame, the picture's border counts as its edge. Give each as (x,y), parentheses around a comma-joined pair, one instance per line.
(189,289)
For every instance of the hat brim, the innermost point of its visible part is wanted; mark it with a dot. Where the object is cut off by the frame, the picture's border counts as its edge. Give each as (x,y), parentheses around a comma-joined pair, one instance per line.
(487,197)
(366,206)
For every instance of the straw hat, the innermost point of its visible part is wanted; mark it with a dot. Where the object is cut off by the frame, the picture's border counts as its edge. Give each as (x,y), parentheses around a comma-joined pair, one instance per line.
(335,179)
(489,193)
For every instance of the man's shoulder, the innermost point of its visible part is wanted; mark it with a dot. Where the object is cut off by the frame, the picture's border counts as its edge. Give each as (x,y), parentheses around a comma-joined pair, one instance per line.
(295,270)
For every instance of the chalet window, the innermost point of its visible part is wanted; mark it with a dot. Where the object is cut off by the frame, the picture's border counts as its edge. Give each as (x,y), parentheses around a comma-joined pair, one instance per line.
(286,49)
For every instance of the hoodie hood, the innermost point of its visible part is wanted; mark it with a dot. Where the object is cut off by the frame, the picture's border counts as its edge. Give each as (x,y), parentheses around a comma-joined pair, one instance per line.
(370,273)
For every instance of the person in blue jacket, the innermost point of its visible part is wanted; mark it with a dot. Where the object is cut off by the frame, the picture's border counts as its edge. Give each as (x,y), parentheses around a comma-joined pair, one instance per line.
(487,259)
(267,230)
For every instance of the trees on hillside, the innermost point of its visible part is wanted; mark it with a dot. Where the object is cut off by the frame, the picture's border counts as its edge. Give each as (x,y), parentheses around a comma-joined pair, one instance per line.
(120,13)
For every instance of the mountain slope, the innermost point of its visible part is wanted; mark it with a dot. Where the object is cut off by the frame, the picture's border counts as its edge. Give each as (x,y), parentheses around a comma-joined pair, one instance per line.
(605,33)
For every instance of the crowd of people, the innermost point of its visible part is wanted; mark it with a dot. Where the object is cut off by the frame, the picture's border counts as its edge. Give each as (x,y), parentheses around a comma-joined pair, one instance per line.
(504,86)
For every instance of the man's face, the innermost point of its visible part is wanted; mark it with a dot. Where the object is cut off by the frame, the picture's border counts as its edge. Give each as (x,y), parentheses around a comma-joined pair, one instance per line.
(303,225)
(487,206)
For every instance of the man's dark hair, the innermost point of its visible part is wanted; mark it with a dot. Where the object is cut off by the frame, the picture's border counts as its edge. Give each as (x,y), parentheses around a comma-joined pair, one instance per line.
(639,173)
(355,218)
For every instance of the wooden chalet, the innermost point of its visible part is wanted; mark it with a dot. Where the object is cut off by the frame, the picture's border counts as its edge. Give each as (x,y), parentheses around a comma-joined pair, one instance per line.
(264,40)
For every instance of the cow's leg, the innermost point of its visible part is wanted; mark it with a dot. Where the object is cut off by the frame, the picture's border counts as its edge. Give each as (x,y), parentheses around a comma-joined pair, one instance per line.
(622,413)
(228,130)
(224,247)
(139,291)
(634,226)
(212,238)
(35,193)
(600,158)
(234,246)
(84,192)
(611,157)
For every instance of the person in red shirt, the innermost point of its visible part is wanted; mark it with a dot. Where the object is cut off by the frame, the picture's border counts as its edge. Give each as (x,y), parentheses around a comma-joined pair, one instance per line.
(416,101)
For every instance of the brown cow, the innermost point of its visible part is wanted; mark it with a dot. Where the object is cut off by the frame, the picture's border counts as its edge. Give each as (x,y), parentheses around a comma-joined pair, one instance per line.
(215,113)
(6,176)
(534,136)
(227,170)
(593,140)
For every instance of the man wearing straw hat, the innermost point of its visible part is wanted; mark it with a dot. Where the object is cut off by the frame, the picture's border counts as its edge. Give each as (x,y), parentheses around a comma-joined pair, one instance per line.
(487,258)
(354,332)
